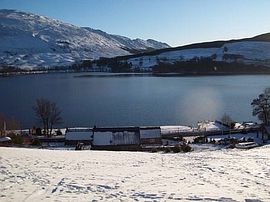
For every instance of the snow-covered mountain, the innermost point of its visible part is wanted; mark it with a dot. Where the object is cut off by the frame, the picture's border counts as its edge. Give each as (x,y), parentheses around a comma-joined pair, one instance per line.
(131,44)
(252,51)
(29,41)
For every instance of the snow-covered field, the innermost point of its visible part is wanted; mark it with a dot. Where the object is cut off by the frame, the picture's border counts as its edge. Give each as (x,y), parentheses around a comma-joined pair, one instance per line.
(48,175)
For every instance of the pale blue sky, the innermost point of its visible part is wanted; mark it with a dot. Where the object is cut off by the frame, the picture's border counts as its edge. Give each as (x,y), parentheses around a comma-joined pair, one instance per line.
(176,22)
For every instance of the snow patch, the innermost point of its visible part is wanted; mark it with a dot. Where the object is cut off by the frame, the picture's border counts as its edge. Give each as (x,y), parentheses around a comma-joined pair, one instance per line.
(206,175)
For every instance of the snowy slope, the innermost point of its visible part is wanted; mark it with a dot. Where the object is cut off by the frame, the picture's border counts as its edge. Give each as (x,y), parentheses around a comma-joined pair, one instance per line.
(30,41)
(247,52)
(220,175)
(132,44)
(171,56)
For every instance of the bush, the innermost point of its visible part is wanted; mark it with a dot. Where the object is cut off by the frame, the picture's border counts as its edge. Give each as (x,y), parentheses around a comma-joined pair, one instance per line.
(154,150)
(59,132)
(186,148)
(16,139)
(167,150)
(176,149)
(231,146)
(36,142)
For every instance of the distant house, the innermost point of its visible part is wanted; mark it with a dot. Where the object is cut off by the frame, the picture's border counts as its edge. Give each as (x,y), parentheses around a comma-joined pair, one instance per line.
(251,124)
(212,126)
(120,138)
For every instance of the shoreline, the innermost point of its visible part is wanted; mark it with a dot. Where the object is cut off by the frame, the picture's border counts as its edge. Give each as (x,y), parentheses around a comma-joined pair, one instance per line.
(128,74)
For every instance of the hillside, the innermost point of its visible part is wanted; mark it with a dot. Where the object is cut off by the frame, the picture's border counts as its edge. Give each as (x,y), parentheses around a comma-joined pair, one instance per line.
(262,37)
(33,41)
(30,41)
(138,45)
(250,55)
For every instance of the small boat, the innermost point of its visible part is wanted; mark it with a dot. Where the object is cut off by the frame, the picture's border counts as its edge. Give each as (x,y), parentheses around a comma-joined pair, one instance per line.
(246,145)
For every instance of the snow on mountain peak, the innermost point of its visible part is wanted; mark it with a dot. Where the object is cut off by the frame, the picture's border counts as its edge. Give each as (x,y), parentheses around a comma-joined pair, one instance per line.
(29,41)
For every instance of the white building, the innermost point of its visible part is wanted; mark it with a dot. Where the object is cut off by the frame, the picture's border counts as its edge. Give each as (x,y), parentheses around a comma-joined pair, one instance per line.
(75,135)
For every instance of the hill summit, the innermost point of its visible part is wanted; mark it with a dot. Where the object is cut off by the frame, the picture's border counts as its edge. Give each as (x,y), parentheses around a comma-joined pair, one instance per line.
(33,41)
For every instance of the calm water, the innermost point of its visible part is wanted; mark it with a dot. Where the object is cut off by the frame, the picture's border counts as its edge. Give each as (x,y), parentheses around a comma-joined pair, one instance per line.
(115,101)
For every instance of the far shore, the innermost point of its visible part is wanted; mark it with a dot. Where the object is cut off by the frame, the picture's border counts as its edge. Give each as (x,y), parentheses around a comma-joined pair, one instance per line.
(128,74)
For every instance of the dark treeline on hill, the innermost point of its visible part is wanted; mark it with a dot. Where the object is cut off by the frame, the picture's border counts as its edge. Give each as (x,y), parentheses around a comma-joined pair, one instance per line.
(114,64)
(85,64)
(195,66)
(139,51)
(8,68)
(203,66)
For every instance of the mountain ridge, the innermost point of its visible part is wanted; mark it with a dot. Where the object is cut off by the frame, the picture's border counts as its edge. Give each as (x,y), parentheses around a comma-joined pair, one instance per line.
(29,41)
(208,44)
(237,56)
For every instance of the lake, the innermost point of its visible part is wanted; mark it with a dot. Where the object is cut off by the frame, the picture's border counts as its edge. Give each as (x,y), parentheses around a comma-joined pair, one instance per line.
(132,100)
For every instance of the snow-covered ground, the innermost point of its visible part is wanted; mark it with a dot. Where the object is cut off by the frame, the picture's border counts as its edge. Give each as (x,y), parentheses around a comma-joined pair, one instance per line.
(220,175)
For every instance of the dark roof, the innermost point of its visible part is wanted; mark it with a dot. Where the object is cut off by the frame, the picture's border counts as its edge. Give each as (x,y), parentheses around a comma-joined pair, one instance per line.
(117,129)
(79,130)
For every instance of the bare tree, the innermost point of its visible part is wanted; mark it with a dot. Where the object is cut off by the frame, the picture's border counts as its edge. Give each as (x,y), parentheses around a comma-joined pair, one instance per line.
(41,110)
(226,119)
(48,114)
(261,107)
(55,116)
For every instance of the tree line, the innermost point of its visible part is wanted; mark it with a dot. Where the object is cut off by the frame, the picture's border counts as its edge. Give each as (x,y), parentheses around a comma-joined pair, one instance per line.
(207,65)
